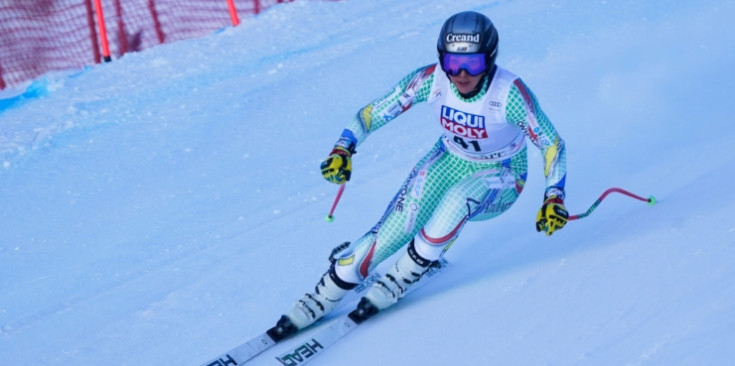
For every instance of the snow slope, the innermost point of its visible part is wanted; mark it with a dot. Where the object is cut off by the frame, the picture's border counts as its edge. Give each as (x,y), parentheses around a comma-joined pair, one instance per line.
(162,208)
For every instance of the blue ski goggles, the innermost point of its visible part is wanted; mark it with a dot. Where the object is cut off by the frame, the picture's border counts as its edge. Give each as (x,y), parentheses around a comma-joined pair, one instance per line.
(473,63)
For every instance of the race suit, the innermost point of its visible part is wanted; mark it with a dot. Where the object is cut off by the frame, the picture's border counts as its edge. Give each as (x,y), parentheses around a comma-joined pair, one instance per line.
(475,171)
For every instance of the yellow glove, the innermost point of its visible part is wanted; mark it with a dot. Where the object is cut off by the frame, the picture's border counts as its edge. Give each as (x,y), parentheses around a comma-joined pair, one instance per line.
(552,216)
(337,167)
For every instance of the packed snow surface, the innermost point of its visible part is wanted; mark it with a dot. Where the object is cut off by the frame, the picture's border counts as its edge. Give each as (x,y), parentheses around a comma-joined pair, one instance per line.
(167,206)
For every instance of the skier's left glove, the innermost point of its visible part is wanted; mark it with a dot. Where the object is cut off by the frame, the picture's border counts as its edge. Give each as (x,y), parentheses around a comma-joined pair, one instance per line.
(337,167)
(552,216)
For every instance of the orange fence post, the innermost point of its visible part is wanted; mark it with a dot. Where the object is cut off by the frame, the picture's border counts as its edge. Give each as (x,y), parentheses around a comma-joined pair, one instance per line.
(103,30)
(233,12)
(93,32)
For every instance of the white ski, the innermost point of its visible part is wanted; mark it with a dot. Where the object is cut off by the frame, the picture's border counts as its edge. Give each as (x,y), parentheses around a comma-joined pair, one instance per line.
(305,350)
(262,342)
(313,345)
(243,352)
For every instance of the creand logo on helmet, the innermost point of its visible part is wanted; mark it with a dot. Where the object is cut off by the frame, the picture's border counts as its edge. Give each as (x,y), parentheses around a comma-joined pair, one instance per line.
(452,38)
(462,43)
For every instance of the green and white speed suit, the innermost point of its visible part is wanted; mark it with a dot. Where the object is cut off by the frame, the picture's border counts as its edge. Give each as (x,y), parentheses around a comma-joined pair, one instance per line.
(475,171)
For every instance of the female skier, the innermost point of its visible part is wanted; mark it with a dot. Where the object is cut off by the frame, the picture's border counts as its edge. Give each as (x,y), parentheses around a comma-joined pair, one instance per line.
(474,172)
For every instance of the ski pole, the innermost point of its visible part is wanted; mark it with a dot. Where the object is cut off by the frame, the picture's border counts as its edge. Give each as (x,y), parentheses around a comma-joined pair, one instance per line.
(651,201)
(330,217)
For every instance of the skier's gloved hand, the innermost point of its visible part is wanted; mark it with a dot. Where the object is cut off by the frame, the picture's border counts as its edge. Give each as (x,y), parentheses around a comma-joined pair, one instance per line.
(552,216)
(337,167)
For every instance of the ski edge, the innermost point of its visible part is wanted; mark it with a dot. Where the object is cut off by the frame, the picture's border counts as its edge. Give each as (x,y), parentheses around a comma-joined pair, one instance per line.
(340,327)
(243,352)
(315,344)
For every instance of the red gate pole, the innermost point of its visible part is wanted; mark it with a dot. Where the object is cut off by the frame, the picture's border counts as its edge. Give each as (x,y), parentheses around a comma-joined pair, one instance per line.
(156,22)
(2,82)
(122,35)
(103,30)
(93,31)
(233,12)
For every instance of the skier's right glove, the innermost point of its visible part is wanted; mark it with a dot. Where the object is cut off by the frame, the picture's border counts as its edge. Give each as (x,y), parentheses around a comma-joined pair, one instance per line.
(337,167)
(552,216)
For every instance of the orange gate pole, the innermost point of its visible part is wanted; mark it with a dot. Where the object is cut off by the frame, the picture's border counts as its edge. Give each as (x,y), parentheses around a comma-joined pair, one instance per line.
(233,12)
(103,30)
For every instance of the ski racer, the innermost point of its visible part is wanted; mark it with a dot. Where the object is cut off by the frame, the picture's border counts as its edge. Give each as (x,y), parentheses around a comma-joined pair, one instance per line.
(475,171)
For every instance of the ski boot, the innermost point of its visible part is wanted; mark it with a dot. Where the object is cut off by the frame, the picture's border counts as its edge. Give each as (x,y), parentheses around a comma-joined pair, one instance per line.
(392,286)
(327,294)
